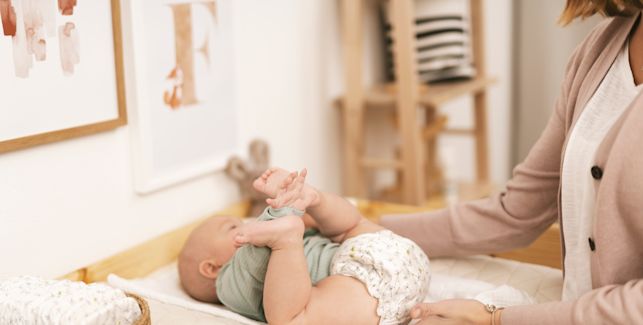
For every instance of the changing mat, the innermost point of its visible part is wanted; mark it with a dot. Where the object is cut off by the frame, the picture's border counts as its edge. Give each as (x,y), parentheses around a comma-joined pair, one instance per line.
(541,283)
(488,279)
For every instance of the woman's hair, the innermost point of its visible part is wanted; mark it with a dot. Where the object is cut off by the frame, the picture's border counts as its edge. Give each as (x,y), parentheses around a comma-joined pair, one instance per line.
(586,8)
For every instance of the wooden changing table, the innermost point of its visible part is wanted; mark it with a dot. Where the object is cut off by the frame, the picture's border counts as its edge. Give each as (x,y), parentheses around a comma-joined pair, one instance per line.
(149,256)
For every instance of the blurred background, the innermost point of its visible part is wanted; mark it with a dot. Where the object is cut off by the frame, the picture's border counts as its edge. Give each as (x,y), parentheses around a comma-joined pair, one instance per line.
(297,88)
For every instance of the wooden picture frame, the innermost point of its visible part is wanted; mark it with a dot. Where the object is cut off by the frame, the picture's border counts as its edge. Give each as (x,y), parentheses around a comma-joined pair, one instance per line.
(48,72)
(182,89)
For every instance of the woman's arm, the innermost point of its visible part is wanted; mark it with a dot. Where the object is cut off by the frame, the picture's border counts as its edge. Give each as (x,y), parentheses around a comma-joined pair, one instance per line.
(511,219)
(517,216)
(613,304)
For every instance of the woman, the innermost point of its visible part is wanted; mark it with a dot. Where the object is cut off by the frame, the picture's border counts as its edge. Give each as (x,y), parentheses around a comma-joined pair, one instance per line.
(586,171)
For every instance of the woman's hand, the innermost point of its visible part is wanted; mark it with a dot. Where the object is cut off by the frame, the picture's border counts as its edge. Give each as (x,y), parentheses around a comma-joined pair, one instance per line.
(453,311)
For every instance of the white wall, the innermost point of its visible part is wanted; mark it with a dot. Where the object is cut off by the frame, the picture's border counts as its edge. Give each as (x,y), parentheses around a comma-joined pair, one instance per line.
(68,204)
(498,26)
(285,55)
(542,50)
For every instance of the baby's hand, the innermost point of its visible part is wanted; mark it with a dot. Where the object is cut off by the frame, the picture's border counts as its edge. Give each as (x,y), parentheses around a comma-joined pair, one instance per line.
(277,234)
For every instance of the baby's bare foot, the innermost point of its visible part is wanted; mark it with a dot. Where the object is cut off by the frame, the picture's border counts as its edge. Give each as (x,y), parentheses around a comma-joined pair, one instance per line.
(277,234)
(295,193)
(271,181)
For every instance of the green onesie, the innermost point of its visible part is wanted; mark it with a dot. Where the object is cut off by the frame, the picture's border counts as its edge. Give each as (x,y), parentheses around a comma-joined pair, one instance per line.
(240,282)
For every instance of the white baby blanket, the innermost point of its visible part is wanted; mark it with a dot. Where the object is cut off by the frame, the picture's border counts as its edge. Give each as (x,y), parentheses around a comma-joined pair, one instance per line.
(35,301)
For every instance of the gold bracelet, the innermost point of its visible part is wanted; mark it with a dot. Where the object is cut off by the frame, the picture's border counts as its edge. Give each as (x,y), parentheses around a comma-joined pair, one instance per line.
(493,315)
(492,309)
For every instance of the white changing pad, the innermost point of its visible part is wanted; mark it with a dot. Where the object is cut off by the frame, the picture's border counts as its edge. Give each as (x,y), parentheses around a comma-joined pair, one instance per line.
(480,277)
(541,283)
(169,304)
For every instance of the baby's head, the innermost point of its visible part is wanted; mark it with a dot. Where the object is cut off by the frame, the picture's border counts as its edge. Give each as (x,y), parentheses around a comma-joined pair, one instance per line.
(209,247)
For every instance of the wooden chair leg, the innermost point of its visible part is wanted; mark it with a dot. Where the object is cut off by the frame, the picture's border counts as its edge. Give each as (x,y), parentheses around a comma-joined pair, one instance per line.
(433,175)
(480,99)
(403,23)
(354,178)
(480,116)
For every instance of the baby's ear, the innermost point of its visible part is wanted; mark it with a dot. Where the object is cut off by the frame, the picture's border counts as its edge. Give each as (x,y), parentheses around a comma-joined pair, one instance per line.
(209,268)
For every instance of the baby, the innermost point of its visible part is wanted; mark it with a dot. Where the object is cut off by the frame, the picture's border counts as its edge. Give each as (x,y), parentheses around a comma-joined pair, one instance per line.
(349,271)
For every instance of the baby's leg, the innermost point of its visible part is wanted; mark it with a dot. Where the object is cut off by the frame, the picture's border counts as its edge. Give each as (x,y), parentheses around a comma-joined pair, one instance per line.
(339,300)
(289,297)
(287,286)
(335,217)
(338,219)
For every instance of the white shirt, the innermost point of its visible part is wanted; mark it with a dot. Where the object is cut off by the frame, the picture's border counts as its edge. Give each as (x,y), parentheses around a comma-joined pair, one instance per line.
(613,96)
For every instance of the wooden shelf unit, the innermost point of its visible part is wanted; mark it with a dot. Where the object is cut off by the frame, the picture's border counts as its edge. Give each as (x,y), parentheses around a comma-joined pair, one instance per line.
(383,96)
(416,164)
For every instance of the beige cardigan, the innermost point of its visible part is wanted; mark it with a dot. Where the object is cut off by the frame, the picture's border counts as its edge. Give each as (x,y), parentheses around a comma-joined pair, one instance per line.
(531,202)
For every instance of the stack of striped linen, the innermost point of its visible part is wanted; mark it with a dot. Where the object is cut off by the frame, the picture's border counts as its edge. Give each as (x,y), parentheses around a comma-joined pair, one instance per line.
(443,37)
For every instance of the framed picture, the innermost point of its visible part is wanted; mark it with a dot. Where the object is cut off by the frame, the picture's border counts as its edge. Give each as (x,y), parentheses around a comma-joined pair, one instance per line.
(183,118)
(61,70)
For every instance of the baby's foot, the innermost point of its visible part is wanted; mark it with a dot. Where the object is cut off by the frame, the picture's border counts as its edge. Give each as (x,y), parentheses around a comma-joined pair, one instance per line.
(295,193)
(270,181)
(279,233)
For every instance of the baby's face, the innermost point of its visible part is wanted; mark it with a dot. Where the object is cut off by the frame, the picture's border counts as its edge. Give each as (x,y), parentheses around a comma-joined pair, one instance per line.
(221,241)
(208,248)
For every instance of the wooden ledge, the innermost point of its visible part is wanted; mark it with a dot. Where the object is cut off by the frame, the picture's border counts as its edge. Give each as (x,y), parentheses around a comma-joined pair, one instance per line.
(147,257)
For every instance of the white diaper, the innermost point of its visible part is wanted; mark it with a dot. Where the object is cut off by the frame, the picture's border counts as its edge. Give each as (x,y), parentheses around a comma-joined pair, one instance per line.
(394,269)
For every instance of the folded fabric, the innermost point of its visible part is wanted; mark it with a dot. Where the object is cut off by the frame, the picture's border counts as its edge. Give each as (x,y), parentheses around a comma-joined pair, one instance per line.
(455,73)
(450,287)
(443,35)
(32,300)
